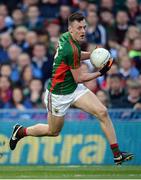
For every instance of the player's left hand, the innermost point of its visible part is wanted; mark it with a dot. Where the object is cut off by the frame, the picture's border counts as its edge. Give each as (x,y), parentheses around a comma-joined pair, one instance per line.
(107,67)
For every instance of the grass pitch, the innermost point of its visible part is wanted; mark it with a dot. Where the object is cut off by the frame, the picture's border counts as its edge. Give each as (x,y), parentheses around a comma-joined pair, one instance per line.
(70,172)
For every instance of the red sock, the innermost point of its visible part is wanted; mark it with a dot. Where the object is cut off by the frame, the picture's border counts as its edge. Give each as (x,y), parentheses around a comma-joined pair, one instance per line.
(25,131)
(115,149)
(22,132)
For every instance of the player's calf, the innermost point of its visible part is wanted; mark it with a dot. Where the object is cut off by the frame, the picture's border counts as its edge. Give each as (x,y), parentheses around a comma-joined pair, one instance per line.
(19,132)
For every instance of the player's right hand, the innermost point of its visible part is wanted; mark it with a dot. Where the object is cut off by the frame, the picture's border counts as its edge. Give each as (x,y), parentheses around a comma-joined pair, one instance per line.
(107,67)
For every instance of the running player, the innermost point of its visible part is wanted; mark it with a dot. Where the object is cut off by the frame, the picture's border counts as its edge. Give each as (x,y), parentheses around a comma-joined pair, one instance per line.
(64,90)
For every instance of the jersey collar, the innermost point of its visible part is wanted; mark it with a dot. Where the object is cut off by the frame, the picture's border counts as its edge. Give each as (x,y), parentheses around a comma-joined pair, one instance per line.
(76,42)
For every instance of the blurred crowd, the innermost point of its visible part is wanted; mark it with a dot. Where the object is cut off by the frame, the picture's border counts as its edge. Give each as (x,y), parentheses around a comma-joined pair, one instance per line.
(29,32)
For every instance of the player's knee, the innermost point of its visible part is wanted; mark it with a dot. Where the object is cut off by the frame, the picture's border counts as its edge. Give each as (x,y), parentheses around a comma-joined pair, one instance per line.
(102,112)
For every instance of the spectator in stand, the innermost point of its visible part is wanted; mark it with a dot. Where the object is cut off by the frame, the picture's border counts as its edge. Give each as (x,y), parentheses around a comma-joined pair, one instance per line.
(53,30)
(5,90)
(19,36)
(42,62)
(65,11)
(122,51)
(117,33)
(11,5)
(4,12)
(25,4)
(18,18)
(133,99)
(34,21)
(92,7)
(49,8)
(3,27)
(133,10)
(122,25)
(30,40)
(103,97)
(113,46)
(35,97)
(108,21)
(5,70)
(108,4)
(116,90)
(26,77)
(5,43)
(23,60)
(135,53)
(43,38)
(82,6)
(114,69)
(127,69)
(13,54)
(17,101)
(96,33)
(132,33)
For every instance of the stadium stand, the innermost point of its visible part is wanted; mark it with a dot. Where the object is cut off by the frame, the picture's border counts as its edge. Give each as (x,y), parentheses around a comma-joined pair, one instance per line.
(29,31)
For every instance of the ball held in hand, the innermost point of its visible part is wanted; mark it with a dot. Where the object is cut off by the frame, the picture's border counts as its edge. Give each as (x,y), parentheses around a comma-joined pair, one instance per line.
(99,57)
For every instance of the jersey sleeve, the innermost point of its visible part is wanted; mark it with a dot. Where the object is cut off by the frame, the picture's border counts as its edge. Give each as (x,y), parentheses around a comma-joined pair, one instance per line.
(72,56)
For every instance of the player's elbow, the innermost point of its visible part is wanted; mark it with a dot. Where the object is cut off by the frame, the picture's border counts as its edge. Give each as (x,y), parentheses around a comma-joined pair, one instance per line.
(79,79)
(77,75)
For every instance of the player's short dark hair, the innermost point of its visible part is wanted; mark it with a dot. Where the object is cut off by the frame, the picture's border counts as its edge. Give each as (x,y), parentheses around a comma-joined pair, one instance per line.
(77,16)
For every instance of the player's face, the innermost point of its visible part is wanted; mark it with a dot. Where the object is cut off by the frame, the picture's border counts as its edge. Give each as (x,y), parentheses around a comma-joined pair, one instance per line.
(78,30)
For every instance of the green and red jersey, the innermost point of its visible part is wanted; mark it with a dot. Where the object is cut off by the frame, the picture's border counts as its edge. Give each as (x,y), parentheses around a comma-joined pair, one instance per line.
(67,57)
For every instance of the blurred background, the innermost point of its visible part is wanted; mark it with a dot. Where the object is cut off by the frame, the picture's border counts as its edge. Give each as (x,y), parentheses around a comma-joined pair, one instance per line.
(29,31)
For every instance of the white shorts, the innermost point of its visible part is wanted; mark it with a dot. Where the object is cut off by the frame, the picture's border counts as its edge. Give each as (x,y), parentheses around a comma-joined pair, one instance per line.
(59,104)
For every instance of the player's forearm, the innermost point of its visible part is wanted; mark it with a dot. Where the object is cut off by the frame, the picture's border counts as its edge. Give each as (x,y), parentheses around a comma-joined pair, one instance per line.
(84,77)
(85,55)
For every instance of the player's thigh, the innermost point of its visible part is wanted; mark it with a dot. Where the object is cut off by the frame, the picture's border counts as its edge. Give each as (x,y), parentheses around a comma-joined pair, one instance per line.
(90,103)
(55,122)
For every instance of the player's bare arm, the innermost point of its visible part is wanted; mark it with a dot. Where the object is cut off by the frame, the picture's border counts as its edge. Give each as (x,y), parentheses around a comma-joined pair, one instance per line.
(80,76)
(85,55)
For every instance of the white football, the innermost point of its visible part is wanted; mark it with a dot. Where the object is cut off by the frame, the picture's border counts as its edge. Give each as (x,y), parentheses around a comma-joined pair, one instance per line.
(99,57)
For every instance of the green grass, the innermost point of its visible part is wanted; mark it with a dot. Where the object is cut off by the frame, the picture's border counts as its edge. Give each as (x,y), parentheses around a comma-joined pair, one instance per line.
(70,172)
